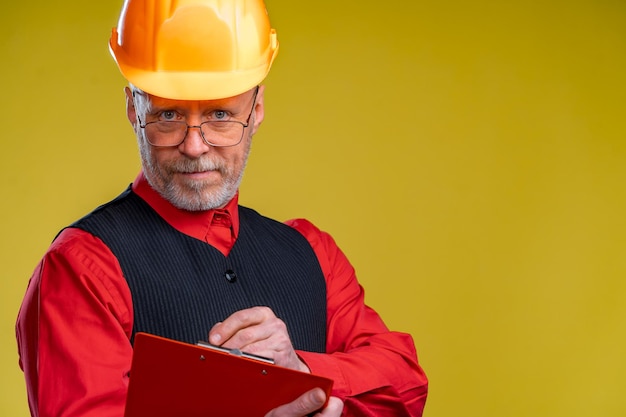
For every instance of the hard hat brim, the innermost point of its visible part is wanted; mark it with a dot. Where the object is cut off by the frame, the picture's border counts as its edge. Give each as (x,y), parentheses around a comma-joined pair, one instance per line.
(189,85)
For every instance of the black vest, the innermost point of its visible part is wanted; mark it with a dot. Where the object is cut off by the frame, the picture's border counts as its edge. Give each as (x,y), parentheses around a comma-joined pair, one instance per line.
(182,286)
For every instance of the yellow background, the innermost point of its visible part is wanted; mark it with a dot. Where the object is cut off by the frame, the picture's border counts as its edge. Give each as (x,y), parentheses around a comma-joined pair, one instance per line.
(468,156)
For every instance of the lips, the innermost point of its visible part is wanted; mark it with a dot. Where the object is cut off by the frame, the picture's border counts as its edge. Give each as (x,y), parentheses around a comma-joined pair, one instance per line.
(205,172)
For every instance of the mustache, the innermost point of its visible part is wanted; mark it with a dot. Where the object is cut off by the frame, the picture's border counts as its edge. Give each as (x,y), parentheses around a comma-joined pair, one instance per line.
(196,165)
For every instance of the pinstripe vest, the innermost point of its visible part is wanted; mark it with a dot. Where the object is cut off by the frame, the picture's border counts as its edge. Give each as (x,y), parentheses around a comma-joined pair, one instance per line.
(182,286)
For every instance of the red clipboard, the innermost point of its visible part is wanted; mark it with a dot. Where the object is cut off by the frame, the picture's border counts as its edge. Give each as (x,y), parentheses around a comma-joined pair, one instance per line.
(173,379)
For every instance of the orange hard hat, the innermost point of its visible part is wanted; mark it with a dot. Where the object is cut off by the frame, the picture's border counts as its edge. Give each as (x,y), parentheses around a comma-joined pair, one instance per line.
(194,49)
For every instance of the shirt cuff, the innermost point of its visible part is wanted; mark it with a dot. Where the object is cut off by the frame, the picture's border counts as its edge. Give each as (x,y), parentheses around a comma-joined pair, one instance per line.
(323,364)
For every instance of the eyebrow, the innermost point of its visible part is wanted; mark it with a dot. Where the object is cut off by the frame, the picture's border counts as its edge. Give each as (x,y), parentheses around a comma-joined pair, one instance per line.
(158,109)
(175,106)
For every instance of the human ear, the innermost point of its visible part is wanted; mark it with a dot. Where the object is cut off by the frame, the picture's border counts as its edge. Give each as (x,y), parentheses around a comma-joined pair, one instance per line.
(131,112)
(259,109)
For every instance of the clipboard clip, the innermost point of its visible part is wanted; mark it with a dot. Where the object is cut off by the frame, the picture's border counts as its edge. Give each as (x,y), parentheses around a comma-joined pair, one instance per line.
(236,352)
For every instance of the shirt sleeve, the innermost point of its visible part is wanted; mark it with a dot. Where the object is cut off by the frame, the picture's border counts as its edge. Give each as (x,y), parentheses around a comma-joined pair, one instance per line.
(375,371)
(73,331)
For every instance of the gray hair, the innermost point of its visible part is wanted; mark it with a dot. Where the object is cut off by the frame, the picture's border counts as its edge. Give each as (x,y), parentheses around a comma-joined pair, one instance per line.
(142,101)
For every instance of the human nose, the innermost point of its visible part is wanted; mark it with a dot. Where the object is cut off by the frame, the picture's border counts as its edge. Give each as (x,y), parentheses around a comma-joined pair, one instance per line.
(194,144)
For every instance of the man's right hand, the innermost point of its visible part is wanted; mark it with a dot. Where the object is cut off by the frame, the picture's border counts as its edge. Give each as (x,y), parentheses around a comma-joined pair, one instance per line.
(307,403)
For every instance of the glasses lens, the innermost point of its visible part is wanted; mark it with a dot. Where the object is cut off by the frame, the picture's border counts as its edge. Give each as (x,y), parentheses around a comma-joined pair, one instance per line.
(222,133)
(166,133)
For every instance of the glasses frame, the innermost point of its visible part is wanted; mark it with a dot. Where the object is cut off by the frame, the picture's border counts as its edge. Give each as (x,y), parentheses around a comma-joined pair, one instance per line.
(207,142)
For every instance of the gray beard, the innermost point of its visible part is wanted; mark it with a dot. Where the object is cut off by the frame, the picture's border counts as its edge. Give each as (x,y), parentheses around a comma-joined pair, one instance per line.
(196,199)
(192,196)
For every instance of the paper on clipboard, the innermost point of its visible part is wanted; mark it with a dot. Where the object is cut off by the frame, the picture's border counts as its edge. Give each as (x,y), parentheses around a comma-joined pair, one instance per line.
(175,379)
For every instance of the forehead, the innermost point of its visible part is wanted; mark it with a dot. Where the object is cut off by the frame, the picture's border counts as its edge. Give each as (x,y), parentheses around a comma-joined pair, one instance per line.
(161,102)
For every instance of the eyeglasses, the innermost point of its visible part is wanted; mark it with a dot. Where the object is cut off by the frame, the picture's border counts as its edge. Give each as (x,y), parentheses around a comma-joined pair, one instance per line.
(219,133)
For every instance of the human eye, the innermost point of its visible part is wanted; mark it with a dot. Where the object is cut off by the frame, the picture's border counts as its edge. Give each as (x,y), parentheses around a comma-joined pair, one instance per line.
(168,116)
(220,115)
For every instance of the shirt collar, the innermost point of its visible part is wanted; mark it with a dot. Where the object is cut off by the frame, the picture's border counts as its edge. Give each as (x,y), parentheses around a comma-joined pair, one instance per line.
(192,223)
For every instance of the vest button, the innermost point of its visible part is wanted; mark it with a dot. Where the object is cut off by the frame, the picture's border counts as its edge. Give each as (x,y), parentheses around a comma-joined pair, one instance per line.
(230,276)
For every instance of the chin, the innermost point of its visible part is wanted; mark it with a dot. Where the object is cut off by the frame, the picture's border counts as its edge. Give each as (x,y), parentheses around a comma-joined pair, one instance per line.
(192,200)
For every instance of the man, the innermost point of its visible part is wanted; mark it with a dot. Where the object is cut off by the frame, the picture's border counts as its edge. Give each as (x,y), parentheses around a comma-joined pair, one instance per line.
(175,255)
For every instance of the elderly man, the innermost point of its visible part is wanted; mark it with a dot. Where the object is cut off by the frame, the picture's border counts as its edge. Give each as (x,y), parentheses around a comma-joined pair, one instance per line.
(176,256)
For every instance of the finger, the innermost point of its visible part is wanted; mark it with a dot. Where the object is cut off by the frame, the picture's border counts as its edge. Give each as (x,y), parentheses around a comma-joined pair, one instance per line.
(242,319)
(271,334)
(333,409)
(305,404)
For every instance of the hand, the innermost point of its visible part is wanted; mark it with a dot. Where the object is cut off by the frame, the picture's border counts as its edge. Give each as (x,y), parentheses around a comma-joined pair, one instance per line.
(257,330)
(307,403)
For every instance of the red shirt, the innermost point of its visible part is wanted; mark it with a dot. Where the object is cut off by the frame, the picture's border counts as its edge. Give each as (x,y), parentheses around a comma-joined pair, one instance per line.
(76,319)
